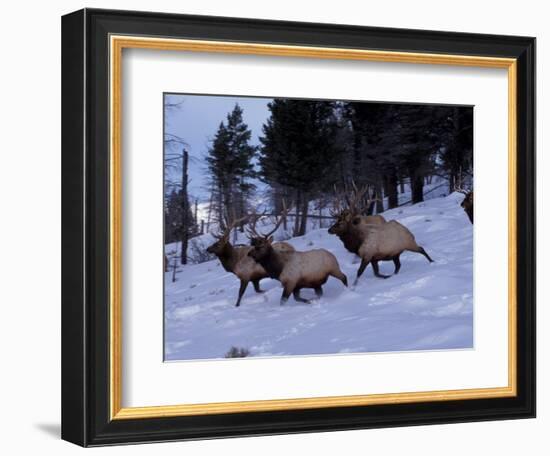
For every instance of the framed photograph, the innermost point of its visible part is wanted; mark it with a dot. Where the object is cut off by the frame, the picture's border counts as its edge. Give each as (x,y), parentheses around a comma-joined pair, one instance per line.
(270,227)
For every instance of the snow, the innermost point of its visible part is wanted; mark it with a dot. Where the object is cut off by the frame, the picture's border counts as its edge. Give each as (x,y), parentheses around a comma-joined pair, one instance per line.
(424,307)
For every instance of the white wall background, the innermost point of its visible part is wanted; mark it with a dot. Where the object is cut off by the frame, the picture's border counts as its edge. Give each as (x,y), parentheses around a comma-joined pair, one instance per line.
(30,247)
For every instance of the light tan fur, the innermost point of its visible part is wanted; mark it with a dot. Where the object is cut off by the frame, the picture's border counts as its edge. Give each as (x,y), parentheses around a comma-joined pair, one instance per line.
(309,269)
(296,270)
(381,242)
(373,219)
(247,269)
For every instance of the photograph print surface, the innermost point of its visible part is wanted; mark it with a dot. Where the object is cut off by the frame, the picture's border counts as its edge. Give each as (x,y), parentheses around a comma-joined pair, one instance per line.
(316,227)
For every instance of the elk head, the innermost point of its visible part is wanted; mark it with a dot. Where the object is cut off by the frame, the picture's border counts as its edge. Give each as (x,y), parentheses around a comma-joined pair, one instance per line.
(468,202)
(222,237)
(356,205)
(262,241)
(342,220)
(262,248)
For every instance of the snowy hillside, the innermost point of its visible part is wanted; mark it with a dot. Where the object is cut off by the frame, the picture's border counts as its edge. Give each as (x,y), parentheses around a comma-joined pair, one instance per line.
(426,306)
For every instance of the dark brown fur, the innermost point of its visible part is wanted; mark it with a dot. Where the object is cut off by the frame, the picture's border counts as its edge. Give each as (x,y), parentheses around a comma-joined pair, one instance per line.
(468,205)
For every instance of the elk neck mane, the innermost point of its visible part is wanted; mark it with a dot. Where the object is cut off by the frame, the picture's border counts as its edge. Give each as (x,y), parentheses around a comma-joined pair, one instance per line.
(228,257)
(351,241)
(272,263)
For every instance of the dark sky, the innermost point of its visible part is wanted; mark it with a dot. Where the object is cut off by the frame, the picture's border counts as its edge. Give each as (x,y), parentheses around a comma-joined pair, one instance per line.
(196,120)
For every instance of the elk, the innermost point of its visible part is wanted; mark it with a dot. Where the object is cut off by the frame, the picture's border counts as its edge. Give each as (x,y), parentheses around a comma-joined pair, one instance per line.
(383,242)
(295,270)
(467,203)
(235,259)
(343,229)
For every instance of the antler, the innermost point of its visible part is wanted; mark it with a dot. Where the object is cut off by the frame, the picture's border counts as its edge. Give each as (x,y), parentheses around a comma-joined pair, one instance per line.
(461,190)
(357,200)
(252,229)
(458,186)
(229,225)
(336,207)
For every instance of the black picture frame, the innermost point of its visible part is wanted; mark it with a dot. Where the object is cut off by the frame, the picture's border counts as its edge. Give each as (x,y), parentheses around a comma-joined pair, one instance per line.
(85,224)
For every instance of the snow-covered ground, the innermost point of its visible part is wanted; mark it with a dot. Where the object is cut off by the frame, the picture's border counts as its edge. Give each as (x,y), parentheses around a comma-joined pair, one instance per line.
(425,307)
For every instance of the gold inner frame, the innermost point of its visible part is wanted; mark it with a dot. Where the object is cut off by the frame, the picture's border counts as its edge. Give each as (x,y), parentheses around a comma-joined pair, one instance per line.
(117,44)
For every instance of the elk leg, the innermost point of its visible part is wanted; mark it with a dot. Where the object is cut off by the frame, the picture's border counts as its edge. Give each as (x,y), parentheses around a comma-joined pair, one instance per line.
(242,289)
(285,295)
(423,252)
(377,271)
(297,296)
(340,276)
(257,288)
(319,292)
(397,264)
(364,264)
(344,280)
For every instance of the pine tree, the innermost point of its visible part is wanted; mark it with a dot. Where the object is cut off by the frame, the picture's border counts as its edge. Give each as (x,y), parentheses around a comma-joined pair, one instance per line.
(457,152)
(299,151)
(375,161)
(230,163)
(420,132)
(239,136)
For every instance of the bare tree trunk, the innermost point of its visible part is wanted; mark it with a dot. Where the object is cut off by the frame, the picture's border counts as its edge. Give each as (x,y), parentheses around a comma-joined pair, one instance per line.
(242,206)
(402,185)
(222,203)
(370,207)
(281,196)
(455,177)
(452,182)
(297,211)
(379,197)
(303,221)
(417,187)
(210,203)
(184,207)
(391,187)
(196,214)
(175,267)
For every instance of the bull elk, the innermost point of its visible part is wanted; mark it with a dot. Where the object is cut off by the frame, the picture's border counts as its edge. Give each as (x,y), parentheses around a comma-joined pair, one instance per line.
(383,242)
(235,259)
(467,203)
(343,228)
(295,270)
